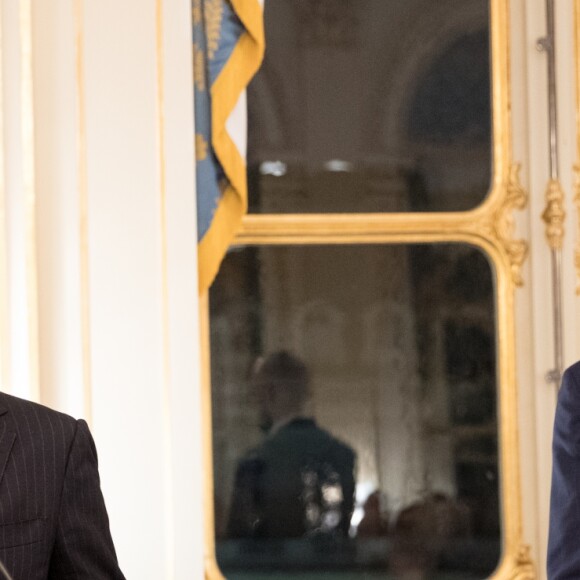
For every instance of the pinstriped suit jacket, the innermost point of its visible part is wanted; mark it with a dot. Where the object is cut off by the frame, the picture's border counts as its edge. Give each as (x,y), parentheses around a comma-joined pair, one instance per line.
(53,521)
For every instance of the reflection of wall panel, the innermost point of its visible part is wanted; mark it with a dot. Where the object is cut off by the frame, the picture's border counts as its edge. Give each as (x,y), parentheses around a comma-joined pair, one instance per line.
(437,439)
(319,333)
(390,326)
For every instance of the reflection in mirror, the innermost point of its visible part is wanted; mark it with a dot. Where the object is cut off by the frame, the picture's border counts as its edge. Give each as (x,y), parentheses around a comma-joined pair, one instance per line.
(354,398)
(371,106)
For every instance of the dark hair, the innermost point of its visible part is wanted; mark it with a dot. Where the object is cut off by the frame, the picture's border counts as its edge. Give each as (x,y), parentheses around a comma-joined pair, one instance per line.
(284,370)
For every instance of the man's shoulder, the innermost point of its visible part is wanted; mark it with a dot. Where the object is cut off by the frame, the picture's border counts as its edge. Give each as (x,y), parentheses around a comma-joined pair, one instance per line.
(35,415)
(343,449)
(336,443)
(308,436)
(572,373)
(570,384)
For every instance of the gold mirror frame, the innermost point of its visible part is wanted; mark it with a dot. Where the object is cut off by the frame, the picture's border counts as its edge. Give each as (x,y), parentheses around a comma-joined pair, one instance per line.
(490,227)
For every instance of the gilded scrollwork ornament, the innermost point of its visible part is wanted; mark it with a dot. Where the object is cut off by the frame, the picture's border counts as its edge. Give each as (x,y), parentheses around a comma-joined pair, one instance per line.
(554,214)
(503,223)
(524,567)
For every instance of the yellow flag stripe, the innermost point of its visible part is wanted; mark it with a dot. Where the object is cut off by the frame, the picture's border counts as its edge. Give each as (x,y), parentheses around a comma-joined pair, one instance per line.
(225,92)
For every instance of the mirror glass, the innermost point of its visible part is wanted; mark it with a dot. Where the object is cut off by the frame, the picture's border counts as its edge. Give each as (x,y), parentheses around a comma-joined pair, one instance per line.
(371,106)
(355,426)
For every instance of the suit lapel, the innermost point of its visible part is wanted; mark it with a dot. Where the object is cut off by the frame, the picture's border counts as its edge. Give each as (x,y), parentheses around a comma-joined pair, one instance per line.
(7,438)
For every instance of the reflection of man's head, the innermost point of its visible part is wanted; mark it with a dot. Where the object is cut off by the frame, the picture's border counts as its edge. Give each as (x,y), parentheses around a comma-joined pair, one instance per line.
(282,383)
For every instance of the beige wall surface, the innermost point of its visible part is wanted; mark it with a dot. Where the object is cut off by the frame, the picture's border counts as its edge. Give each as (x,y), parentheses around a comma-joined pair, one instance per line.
(99,276)
(98,289)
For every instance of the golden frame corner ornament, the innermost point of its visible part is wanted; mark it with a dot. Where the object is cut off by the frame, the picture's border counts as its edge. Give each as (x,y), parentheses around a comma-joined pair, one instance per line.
(490,227)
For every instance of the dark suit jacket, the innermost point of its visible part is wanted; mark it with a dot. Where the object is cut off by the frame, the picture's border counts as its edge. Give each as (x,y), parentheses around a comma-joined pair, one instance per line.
(299,481)
(53,521)
(564,537)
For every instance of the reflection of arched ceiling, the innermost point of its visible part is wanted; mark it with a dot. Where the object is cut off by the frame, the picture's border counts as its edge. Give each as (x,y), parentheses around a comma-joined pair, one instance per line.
(369,53)
(274,95)
(268,118)
(434,28)
(451,105)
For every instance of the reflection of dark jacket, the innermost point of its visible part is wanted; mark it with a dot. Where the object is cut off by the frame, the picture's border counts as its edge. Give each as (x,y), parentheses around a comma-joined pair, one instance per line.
(299,481)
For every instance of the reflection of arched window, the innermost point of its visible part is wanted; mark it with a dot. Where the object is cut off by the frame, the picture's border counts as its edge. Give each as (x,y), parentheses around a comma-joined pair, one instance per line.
(452,100)
(445,122)
(389,336)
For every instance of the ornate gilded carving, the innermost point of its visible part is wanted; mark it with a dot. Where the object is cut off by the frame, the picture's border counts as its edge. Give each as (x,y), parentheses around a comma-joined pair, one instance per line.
(504,223)
(554,214)
(524,567)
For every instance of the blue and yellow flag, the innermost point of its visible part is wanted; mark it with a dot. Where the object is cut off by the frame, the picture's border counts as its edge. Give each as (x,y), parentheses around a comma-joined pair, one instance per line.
(228,46)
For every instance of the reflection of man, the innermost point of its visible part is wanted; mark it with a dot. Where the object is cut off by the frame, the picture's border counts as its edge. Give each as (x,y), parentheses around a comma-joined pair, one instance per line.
(563,545)
(53,521)
(300,480)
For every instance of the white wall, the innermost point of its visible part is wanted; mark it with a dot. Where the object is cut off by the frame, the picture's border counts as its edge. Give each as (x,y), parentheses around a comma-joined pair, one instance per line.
(100,239)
